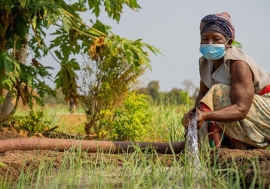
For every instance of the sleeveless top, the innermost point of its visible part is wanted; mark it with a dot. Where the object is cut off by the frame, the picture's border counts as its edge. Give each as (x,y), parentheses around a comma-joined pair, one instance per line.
(222,74)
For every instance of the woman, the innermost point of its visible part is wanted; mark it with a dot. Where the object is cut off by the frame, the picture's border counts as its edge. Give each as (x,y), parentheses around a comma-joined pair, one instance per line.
(234,97)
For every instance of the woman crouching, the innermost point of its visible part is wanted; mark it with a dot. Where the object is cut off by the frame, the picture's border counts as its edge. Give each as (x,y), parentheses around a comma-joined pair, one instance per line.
(233,103)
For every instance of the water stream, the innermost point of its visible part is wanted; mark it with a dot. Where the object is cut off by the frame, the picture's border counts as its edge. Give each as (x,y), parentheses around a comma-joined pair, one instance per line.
(192,141)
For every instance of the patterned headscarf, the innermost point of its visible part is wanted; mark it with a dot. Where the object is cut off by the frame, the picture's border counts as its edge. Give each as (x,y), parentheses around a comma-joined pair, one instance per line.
(218,22)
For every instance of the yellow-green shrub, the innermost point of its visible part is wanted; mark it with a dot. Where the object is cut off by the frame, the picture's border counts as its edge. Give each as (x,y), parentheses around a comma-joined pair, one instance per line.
(131,120)
(33,122)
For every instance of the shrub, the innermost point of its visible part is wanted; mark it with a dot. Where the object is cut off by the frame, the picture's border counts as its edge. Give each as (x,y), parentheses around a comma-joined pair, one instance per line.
(105,82)
(131,120)
(34,122)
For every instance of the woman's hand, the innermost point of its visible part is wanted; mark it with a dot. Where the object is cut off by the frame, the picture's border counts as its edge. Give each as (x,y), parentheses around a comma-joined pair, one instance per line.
(186,117)
(201,116)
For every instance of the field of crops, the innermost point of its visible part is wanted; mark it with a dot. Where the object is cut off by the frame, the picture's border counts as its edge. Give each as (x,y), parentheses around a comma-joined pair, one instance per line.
(222,168)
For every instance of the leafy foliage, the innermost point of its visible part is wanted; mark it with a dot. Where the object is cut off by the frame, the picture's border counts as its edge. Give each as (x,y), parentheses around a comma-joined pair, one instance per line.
(105,82)
(10,69)
(34,122)
(133,51)
(131,119)
(113,8)
(67,74)
(19,18)
(237,44)
(33,78)
(23,79)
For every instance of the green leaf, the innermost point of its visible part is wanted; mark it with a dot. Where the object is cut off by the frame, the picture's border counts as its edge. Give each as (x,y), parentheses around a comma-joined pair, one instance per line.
(34,22)
(100,27)
(237,44)
(130,56)
(8,63)
(9,33)
(58,54)
(133,4)
(23,3)
(20,26)
(10,70)
(13,64)
(107,6)
(66,24)
(152,49)
(73,64)
(114,44)
(81,2)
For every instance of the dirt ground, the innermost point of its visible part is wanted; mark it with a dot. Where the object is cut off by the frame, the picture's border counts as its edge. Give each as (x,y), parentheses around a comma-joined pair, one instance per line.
(14,161)
(243,160)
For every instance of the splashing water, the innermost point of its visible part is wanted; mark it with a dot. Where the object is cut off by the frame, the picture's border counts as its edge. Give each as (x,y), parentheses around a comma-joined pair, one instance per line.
(192,141)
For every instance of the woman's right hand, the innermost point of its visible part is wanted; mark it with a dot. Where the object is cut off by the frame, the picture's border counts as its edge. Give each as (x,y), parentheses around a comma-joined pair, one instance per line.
(186,117)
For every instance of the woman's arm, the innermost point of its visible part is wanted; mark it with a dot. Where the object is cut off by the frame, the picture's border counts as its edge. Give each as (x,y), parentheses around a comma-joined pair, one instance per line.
(242,93)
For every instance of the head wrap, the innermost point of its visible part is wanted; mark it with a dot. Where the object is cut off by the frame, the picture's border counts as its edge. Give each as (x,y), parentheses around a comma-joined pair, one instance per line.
(218,22)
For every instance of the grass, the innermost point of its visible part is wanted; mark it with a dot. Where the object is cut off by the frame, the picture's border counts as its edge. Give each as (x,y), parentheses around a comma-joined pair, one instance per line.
(166,123)
(138,169)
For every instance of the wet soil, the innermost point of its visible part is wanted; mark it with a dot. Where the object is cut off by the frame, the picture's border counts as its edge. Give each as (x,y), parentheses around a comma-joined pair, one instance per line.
(244,160)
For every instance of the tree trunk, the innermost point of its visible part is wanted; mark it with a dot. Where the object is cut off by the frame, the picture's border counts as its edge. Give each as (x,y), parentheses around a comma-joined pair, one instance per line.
(72,106)
(87,145)
(8,104)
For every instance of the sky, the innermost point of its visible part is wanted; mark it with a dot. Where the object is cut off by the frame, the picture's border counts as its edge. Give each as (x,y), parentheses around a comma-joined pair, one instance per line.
(172,26)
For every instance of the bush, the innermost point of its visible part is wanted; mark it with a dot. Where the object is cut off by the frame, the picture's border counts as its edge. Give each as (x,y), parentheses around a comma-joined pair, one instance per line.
(106,81)
(131,120)
(34,122)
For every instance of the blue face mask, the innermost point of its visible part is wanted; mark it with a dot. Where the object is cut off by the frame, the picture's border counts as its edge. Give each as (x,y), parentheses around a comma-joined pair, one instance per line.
(213,51)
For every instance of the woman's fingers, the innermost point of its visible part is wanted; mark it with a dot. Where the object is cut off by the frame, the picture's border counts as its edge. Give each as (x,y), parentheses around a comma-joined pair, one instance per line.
(186,117)
(200,118)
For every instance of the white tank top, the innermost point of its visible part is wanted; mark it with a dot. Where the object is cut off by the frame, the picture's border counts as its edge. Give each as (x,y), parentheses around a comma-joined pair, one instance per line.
(222,74)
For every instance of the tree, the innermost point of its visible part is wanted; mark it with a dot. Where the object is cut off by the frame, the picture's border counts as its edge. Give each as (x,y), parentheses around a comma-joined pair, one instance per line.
(153,88)
(72,36)
(107,79)
(188,85)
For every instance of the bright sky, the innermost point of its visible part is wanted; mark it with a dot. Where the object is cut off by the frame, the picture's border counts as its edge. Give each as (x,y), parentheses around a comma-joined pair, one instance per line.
(173,27)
